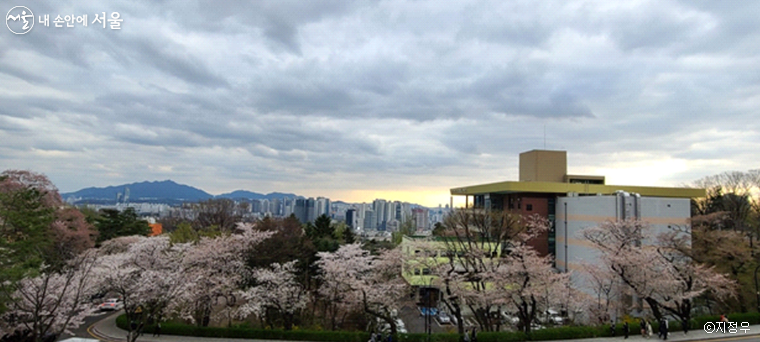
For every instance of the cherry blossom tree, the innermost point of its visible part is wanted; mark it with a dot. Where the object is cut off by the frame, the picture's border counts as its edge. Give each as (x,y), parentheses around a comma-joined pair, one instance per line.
(353,278)
(477,246)
(655,268)
(149,277)
(71,233)
(51,303)
(219,267)
(528,285)
(276,290)
(606,287)
(340,276)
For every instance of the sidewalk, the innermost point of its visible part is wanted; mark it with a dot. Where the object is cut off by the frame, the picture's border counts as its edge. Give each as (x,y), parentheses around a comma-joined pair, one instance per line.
(106,330)
(693,335)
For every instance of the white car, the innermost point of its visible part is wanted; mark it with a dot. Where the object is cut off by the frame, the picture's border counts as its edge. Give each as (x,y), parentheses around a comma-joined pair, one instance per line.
(507,318)
(400,326)
(111,304)
(443,317)
(553,317)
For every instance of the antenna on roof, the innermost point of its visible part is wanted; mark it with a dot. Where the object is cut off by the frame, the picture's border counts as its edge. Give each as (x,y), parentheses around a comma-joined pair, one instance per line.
(544,136)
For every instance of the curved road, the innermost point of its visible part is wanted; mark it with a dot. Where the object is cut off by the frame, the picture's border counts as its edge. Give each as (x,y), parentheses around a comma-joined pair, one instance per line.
(113,334)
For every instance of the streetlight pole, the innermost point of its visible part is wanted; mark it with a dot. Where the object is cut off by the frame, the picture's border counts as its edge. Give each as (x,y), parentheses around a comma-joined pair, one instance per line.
(757,290)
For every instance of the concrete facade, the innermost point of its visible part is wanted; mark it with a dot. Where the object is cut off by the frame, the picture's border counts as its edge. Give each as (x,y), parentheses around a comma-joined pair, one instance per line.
(575,213)
(543,166)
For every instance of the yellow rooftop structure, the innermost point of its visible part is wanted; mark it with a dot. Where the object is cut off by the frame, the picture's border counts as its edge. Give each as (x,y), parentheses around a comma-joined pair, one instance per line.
(545,171)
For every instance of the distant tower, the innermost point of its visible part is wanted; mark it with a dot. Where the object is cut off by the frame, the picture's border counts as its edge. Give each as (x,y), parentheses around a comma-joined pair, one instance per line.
(126,194)
(311,210)
(351,218)
(378,207)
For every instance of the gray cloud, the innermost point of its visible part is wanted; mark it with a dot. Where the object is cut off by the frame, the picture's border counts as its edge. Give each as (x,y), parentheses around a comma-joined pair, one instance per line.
(377,94)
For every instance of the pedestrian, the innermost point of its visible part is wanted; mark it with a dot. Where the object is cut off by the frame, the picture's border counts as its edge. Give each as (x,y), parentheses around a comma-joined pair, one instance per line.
(659,328)
(474,335)
(467,336)
(643,327)
(612,328)
(649,329)
(665,329)
(157,330)
(625,330)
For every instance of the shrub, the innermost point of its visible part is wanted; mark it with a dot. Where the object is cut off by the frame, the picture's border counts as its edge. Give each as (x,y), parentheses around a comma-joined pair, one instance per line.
(557,333)
(249,333)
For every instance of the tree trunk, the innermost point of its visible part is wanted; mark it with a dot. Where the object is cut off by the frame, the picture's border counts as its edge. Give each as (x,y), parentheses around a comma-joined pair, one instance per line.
(655,307)
(288,321)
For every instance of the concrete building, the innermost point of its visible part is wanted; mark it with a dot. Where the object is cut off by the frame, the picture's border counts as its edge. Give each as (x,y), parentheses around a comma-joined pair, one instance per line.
(545,188)
(575,213)
(421,219)
(351,218)
(311,210)
(378,206)
(299,209)
(370,220)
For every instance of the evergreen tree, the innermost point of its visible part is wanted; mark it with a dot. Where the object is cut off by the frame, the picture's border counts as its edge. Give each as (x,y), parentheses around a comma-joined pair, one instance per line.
(113,223)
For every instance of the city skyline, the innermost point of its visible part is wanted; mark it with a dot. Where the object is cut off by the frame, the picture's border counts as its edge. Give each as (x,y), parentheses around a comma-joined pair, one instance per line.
(392,99)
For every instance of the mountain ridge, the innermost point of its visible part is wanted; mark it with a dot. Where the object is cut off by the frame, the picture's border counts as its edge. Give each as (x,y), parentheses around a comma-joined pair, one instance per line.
(160,191)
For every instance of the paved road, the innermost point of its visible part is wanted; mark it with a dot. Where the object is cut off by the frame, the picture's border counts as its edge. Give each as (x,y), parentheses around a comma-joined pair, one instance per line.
(104,328)
(731,337)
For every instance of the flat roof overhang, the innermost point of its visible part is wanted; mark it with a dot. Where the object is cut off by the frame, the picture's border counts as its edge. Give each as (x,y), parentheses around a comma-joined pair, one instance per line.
(511,187)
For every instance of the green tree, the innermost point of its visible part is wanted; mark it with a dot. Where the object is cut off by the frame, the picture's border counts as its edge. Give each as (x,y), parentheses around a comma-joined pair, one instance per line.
(184,233)
(438,229)
(35,228)
(349,236)
(112,224)
(24,227)
(321,228)
(407,228)
(322,234)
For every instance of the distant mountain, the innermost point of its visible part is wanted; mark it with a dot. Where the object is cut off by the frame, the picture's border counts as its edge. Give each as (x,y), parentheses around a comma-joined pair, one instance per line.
(160,192)
(245,194)
(164,191)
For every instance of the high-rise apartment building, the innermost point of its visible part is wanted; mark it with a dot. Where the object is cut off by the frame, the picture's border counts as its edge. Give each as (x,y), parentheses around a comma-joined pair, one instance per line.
(351,218)
(370,220)
(378,206)
(311,209)
(421,220)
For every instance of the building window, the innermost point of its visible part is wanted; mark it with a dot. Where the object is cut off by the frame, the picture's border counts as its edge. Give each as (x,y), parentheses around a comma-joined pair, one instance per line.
(529,207)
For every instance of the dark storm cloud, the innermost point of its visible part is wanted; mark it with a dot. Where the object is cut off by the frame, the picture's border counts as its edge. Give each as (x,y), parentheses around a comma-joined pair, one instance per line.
(284,91)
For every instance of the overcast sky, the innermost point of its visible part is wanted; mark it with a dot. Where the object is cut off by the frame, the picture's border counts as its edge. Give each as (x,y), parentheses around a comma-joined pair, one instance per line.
(394,99)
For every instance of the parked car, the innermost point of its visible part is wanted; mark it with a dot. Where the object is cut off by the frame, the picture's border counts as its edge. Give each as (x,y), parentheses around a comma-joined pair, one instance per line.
(425,311)
(386,328)
(509,319)
(111,304)
(443,317)
(552,317)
